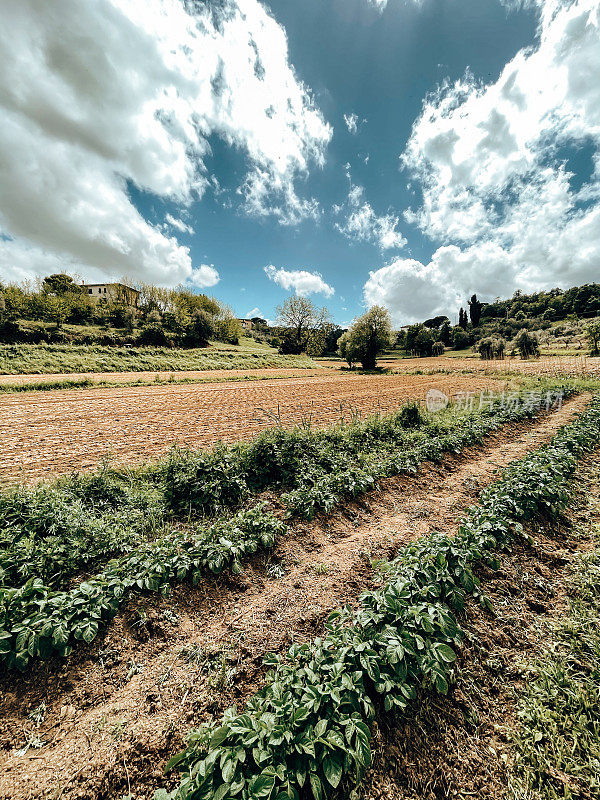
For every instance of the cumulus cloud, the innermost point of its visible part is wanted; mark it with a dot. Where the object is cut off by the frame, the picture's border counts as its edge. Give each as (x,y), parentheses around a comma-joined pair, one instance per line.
(204,276)
(178,224)
(300,281)
(254,312)
(491,163)
(96,97)
(361,223)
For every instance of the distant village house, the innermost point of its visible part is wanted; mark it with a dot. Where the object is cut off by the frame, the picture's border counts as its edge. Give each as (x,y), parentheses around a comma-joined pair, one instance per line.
(246,324)
(113,293)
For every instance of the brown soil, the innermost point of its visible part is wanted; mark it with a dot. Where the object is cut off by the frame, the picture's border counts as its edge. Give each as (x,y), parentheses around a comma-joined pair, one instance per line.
(115,711)
(150,375)
(49,433)
(554,366)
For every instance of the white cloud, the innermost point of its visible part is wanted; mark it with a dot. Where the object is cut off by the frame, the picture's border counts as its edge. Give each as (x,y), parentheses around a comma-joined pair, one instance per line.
(97,96)
(204,276)
(351,121)
(178,224)
(490,159)
(363,224)
(413,291)
(300,281)
(254,312)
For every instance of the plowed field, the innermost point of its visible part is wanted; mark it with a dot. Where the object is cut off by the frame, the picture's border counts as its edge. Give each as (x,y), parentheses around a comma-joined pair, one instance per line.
(52,432)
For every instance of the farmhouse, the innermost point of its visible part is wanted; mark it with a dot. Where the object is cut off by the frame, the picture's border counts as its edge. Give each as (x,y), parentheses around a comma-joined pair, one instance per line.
(246,324)
(113,293)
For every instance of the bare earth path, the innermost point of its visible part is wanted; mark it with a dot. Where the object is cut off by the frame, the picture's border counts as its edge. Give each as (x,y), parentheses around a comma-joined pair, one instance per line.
(48,433)
(116,711)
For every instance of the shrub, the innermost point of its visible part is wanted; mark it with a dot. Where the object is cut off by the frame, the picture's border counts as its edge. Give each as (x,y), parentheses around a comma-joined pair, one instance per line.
(154,335)
(411,416)
(460,339)
(198,330)
(527,344)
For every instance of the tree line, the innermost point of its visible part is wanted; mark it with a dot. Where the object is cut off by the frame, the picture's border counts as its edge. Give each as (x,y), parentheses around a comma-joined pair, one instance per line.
(162,317)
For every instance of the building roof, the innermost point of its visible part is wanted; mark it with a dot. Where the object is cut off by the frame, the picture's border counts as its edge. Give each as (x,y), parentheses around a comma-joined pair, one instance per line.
(111,283)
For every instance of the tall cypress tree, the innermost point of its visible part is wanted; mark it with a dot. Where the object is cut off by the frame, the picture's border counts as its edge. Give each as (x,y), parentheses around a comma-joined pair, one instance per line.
(475,310)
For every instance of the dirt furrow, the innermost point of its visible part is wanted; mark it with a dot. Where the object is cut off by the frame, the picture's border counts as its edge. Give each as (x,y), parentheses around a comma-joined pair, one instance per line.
(116,711)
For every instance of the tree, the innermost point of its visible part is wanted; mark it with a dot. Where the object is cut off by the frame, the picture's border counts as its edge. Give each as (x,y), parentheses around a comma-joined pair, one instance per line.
(369,335)
(56,310)
(303,321)
(424,342)
(593,334)
(491,348)
(527,344)
(462,319)
(59,285)
(199,329)
(460,339)
(227,328)
(435,322)
(445,333)
(348,348)
(332,336)
(474,310)
(438,349)
(410,337)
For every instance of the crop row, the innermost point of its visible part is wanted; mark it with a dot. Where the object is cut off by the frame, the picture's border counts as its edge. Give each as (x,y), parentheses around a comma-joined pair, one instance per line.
(36,621)
(308,730)
(319,468)
(50,533)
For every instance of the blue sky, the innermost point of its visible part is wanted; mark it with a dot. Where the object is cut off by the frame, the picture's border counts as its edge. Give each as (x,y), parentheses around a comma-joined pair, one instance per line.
(357,151)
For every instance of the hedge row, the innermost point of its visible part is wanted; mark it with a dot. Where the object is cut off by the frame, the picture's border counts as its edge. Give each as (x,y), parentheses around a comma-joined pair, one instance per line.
(308,730)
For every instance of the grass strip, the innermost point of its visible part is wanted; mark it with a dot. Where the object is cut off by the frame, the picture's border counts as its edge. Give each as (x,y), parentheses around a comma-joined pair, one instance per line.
(47,358)
(307,732)
(88,383)
(557,740)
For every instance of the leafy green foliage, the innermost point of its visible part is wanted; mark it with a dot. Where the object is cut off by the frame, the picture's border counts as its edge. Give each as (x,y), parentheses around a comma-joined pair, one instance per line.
(307,730)
(36,621)
(52,532)
(48,534)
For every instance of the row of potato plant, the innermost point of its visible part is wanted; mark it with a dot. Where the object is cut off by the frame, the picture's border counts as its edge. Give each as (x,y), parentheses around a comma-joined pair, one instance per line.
(37,621)
(40,617)
(319,468)
(308,730)
(53,531)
